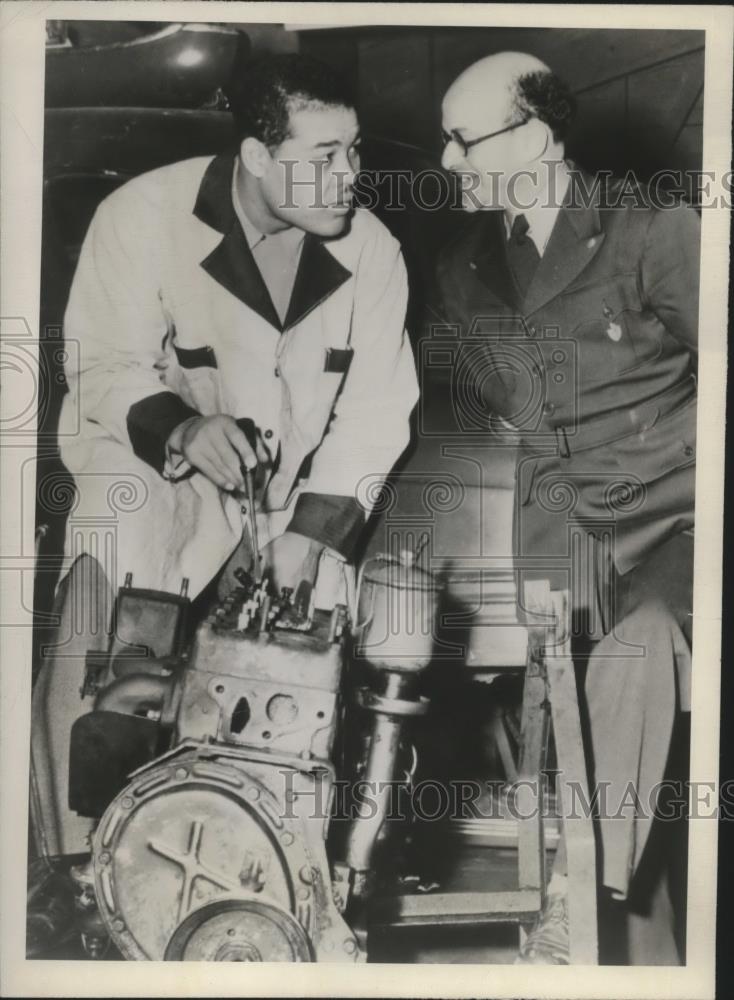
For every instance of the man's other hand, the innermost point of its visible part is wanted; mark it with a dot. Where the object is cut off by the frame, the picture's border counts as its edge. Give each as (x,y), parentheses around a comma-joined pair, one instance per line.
(290,559)
(217,447)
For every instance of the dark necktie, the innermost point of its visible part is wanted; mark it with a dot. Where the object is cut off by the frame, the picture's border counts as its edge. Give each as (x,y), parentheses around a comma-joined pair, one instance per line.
(522,255)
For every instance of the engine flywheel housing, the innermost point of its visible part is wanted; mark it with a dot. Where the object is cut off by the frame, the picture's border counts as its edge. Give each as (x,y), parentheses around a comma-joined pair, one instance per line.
(188,832)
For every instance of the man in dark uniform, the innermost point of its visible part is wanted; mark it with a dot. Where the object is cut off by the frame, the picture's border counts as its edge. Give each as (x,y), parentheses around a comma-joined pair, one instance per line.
(586,298)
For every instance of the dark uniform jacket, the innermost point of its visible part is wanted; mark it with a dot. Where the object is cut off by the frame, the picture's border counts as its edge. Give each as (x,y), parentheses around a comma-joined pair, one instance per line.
(596,370)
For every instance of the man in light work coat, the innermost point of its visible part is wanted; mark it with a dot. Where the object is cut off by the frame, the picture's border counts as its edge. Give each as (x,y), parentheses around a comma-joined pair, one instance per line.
(216,289)
(586,299)
(243,286)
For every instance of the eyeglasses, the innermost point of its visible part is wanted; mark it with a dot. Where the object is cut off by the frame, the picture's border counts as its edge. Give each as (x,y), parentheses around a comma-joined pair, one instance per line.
(466,144)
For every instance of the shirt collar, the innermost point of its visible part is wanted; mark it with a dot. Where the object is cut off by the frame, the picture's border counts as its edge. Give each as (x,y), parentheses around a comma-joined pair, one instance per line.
(541,218)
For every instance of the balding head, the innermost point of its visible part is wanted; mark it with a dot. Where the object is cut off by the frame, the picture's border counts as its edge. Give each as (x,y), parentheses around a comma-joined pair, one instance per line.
(506,113)
(489,88)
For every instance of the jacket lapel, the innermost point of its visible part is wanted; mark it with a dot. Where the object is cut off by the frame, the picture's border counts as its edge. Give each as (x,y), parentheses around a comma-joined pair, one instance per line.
(319,274)
(232,265)
(231,262)
(574,242)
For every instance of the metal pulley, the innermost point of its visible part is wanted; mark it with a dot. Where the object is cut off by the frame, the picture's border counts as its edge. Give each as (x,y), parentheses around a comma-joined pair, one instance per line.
(239,930)
(396,610)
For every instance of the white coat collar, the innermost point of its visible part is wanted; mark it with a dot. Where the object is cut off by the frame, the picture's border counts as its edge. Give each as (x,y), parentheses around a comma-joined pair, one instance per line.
(232,265)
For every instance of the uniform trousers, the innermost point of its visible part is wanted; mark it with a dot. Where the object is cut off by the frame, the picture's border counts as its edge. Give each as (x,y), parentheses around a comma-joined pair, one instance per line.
(636,685)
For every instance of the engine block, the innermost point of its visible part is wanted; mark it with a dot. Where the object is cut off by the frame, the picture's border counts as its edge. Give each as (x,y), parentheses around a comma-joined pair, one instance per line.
(210,763)
(274,690)
(215,850)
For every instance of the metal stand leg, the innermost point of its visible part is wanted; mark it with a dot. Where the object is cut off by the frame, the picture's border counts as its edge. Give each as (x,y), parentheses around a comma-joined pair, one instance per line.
(533,747)
(572,784)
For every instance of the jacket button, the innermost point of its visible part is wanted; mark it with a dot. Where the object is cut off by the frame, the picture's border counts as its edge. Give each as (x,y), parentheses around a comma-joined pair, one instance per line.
(276,372)
(549,408)
(268,434)
(688,451)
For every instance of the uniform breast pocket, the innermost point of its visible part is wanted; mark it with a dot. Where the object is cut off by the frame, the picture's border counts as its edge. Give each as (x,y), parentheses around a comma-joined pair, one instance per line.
(337,362)
(611,328)
(195,357)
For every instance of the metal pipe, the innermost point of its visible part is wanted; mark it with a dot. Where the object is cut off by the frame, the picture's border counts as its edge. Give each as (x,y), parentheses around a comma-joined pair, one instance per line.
(378,776)
(387,727)
(134,693)
(126,666)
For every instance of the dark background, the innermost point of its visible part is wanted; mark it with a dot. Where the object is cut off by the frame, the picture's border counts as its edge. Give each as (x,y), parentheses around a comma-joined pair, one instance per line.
(640,92)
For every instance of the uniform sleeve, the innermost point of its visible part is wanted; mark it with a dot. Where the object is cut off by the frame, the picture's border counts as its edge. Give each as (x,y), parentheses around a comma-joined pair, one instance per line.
(330,520)
(370,426)
(670,271)
(116,317)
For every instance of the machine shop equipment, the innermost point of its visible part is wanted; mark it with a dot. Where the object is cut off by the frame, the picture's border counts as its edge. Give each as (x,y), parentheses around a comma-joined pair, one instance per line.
(209,763)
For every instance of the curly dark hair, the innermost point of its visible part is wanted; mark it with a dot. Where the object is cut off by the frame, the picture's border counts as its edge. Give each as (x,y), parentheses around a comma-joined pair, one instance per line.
(545,96)
(263,95)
